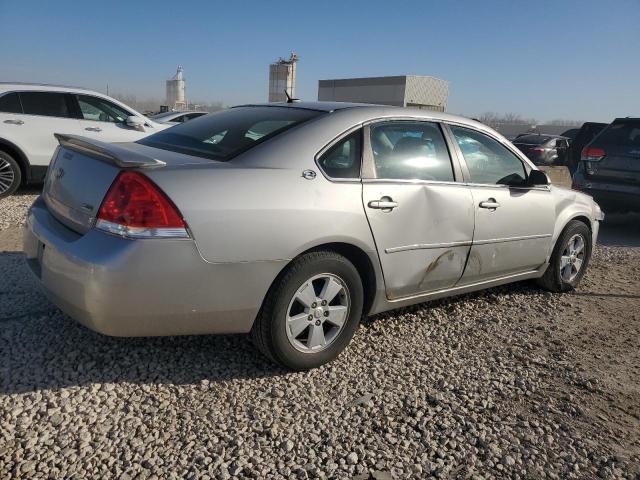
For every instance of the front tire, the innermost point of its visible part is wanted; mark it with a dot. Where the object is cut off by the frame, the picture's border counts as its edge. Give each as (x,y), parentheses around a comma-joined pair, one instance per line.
(10,175)
(311,311)
(569,259)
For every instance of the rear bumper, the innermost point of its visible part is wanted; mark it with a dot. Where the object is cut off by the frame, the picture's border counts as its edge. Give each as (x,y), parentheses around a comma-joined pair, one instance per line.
(123,287)
(612,197)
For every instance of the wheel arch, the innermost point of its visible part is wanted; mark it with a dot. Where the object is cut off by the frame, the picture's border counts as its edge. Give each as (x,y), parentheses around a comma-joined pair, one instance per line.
(371,280)
(18,155)
(562,223)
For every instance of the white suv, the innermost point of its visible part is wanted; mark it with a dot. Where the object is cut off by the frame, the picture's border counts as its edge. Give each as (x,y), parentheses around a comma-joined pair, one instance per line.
(30,115)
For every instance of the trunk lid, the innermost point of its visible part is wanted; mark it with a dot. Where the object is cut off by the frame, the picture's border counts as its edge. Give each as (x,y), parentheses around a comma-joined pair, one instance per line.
(82,170)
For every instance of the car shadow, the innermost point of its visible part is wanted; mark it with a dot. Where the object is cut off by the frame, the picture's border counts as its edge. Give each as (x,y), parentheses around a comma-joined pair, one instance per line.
(620,230)
(45,349)
(31,189)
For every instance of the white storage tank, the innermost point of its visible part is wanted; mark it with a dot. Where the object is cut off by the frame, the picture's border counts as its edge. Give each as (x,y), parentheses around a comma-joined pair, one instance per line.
(176,99)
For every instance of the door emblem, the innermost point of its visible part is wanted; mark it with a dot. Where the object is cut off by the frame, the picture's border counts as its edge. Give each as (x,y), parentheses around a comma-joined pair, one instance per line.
(59,173)
(309,174)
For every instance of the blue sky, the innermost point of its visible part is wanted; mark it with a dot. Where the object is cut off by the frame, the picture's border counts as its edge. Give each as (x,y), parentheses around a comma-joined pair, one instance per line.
(547,60)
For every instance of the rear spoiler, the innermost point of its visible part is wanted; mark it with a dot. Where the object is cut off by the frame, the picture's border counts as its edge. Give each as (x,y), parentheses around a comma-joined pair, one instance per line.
(107,152)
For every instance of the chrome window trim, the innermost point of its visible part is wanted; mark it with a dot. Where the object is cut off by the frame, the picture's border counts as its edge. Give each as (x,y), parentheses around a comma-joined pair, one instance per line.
(412,182)
(337,139)
(453,184)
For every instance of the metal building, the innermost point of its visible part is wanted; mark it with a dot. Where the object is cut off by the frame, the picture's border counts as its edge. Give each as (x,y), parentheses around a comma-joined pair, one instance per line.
(282,76)
(175,91)
(401,91)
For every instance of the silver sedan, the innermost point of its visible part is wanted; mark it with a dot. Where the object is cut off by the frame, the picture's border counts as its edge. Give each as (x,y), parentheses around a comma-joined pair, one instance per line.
(292,221)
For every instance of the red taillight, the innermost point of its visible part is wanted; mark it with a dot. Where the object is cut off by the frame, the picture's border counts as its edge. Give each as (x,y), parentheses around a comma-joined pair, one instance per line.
(592,154)
(135,207)
(537,149)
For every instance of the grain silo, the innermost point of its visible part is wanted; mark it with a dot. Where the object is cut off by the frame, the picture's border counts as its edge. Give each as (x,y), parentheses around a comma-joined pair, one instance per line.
(282,76)
(175,91)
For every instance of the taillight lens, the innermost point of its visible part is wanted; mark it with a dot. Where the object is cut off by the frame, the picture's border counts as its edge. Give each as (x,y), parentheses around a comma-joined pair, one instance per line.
(592,154)
(135,207)
(537,149)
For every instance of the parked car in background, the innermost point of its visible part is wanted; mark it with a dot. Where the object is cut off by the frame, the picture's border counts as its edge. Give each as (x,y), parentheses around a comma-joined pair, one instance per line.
(291,221)
(175,118)
(570,134)
(30,114)
(543,149)
(609,167)
(585,134)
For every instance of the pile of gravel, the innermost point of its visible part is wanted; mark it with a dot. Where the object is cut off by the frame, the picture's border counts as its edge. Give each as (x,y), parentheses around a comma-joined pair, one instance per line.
(13,209)
(456,388)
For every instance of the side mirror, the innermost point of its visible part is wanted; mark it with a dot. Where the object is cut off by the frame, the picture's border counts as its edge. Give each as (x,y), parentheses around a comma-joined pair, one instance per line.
(136,123)
(537,178)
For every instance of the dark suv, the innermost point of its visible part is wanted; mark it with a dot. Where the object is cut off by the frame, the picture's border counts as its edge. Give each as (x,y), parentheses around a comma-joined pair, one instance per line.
(609,167)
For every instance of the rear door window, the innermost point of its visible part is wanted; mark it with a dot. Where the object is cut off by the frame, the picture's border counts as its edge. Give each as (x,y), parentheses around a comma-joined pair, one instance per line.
(408,150)
(10,103)
(49,104)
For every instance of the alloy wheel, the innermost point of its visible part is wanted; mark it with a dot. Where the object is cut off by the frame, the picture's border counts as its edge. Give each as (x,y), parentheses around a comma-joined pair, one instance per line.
(317,313)
(7,176)
(572,258)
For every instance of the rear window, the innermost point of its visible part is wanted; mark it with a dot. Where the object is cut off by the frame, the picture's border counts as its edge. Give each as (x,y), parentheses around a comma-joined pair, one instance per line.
(532,139)
(224,135)
(620,134)
(10,103)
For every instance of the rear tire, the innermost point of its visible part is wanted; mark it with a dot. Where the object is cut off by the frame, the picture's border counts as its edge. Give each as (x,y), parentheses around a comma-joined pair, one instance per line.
(311,311)
(10,175)
(569,259)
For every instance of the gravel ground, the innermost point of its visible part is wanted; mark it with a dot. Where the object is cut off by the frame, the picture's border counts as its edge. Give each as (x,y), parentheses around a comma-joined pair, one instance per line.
(14,208)
(512,382)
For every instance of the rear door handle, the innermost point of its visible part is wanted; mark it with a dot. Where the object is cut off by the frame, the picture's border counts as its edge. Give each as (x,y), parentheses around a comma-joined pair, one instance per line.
(14,122)
(385,203)
(490,203)
(93,129)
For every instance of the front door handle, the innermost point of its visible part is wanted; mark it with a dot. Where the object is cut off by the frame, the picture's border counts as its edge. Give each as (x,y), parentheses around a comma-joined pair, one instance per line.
(385,203)
(490,203)
(14,122)
(93,129)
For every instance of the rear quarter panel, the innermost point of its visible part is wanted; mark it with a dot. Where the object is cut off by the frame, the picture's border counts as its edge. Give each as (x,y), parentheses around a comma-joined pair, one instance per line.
(249,214)
(258,207)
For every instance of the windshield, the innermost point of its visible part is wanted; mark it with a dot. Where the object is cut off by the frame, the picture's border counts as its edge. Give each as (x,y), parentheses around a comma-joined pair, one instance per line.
(222,136)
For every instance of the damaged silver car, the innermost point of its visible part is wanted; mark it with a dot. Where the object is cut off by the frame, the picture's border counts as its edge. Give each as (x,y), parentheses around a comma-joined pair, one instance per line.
(292,221)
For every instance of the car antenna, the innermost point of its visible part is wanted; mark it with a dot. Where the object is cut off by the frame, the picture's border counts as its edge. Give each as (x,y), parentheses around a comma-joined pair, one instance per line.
(289,98)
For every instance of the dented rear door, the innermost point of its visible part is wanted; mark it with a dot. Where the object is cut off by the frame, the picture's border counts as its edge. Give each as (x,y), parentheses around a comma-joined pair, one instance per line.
(424,241)
(421,218)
